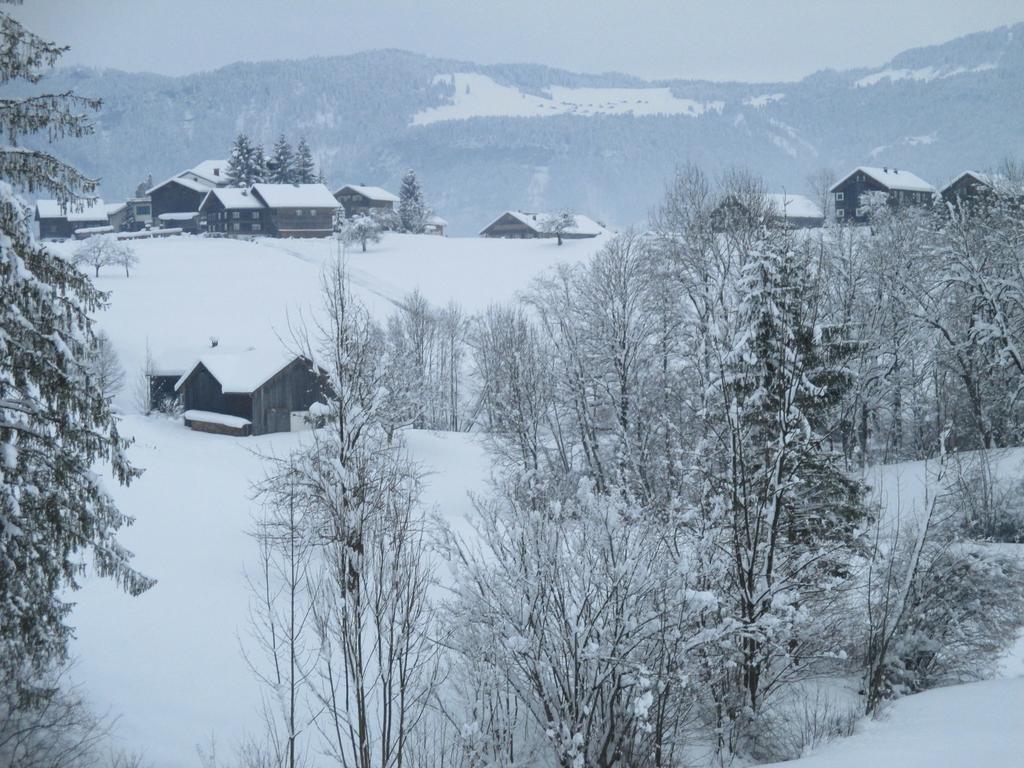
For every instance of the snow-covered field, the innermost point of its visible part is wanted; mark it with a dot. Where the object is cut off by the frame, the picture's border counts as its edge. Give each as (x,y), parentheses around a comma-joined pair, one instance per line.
(169,662)
(480,96)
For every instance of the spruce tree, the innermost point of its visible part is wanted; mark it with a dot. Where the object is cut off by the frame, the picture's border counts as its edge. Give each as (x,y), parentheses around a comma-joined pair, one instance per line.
(55,423)
(259,165)
(245,164)
(305,168)
(411,209)
(281,166)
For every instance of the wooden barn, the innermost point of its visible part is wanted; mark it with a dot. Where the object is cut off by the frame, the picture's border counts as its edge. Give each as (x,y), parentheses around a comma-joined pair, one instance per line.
(522,224)
(901,188)
(59,221)
(232,211)
(296,210)
(248,393)
(972,189)
(359,199)
(175,202)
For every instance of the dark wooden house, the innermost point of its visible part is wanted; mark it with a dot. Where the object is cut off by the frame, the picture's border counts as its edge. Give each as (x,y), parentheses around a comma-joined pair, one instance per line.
(900,188)
(248,393)
(296,210)
(232,211)
(358,199)
(526,225)
(59,221)
(972,189)
(175,202)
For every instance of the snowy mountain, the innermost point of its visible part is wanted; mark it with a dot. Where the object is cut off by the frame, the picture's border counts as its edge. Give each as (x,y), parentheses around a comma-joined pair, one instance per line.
(606,143)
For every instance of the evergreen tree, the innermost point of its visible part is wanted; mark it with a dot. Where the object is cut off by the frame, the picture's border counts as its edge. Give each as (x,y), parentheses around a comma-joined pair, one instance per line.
(246,163)
(305,168)
(281,166)
(260,172)
(55,423)
(412,210)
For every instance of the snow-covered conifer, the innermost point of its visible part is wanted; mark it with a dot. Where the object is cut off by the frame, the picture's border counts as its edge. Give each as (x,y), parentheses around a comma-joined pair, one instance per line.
(305,168)
(412,209)
(281,165)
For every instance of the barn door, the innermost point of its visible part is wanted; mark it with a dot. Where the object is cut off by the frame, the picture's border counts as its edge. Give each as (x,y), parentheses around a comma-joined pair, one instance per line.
(279,420)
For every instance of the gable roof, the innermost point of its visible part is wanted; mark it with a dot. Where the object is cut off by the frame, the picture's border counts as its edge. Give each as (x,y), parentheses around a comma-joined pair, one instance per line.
(216,171)
(584,224)
(377,194)
(890,178)
(795,206)
(241,373)
(233,198)
(82,210)
(195,186)
(295,195)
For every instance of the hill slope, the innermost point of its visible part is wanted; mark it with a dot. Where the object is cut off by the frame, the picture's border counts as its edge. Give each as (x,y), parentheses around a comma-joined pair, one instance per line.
(606,143)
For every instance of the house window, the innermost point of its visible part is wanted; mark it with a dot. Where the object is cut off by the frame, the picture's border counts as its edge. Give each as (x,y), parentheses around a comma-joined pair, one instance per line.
(255,227)
(142,210)
(312,211)
(236,226)
(840,196)
(235,214)
(255,214)
(298,211)
(840,213)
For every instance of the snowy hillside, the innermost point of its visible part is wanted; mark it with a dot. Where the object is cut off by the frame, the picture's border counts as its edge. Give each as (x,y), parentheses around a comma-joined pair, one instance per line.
(477,95)
(193,508)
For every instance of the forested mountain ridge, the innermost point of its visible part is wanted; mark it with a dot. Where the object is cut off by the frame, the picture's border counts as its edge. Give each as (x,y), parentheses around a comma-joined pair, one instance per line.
(602,145)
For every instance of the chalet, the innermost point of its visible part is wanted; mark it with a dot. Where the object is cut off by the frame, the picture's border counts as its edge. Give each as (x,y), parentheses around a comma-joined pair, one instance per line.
(59,221)
(248,393)
(900,187)
(975,189)
(232,211)
(175,201)
(521,224)
(358,199)
(296,210)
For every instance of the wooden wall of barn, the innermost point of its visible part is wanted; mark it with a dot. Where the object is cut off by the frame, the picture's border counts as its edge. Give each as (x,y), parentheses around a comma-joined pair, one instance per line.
(293,389)
(202,392)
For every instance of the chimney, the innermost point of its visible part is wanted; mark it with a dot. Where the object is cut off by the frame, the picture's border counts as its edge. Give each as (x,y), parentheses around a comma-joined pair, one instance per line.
(214,341)
(216,171)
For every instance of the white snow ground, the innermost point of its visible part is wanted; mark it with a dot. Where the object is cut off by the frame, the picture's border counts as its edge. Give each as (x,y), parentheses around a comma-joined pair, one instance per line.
(168,662)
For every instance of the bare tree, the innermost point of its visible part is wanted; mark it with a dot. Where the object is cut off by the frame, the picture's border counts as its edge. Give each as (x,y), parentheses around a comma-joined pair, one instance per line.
(105,368)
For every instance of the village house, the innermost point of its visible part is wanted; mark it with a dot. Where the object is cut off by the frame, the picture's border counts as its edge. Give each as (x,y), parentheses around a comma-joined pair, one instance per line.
(296,210)
(973,189)
(60,221)
(175,201)
(901,188)
(232,211)
(795,211)
(523,224)
(253,392)
(358,199)
(435,226)
(141,209)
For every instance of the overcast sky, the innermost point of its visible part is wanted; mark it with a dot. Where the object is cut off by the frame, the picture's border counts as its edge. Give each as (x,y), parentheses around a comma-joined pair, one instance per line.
(707,39)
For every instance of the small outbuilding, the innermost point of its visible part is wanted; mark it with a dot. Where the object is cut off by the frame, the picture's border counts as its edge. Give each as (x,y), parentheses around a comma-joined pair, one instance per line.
(253,392)
(58,221)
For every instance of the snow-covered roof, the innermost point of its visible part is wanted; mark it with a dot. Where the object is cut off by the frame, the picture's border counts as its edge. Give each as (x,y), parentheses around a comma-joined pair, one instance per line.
(214,170)
(83,210)
(892,178)
(584,225)
(437,221)
(209,417)
(295,195)
(371,193)
(101,230)
(241,372)
(196,186)
(233,198)
(113,208)
(178,216)
(795,206)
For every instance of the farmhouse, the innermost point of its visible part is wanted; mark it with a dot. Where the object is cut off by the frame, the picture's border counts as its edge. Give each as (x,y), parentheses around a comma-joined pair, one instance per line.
(175,202)
(296,210)
(974,189)
(248,393)
(522,224)
(59,221)
(901,187)
(358,199)
(795,211)
(232,211)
